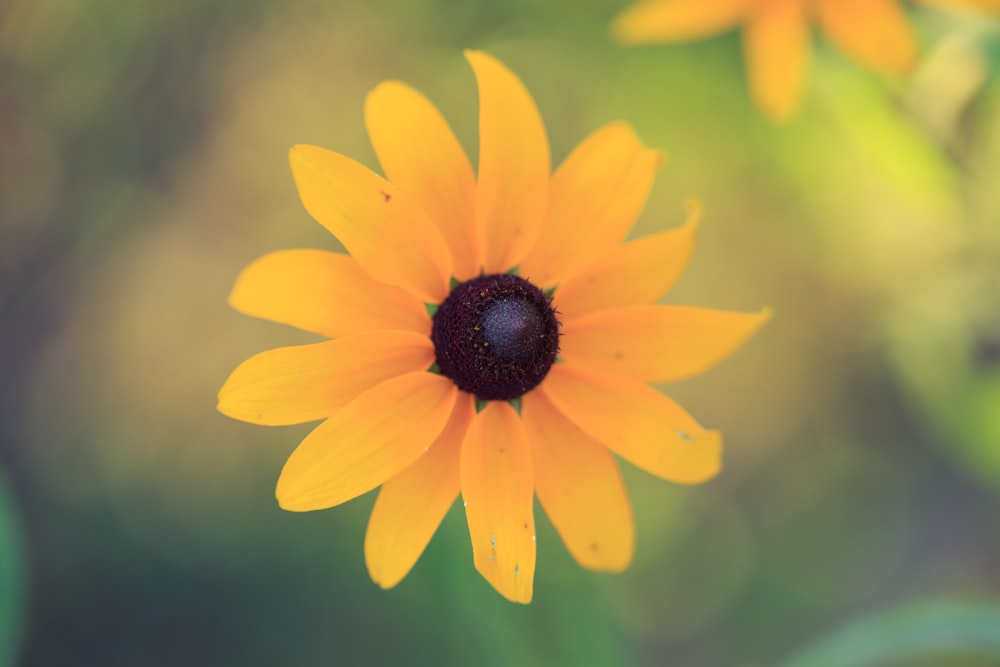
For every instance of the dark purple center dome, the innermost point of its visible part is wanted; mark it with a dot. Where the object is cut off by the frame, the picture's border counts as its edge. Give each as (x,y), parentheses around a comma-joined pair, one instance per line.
(496,336)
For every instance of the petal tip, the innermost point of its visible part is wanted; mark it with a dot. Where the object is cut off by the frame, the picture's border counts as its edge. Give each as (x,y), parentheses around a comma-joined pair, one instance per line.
(693,210)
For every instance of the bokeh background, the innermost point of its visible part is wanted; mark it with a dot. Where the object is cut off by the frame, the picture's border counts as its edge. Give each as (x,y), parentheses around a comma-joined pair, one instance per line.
(143,162)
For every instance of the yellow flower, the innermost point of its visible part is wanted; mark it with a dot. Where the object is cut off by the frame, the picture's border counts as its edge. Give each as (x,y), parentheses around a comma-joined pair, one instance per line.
(469,400)
(776,36)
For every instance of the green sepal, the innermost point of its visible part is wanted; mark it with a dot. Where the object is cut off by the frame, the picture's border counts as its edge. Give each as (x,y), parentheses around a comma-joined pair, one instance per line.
(516,404)
(431,308)
(453,283)
(480,404)
(434,369)
(549,292)
(514,270)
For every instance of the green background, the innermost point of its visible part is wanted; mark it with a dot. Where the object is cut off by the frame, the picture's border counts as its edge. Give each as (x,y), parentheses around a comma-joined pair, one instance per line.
(143,163)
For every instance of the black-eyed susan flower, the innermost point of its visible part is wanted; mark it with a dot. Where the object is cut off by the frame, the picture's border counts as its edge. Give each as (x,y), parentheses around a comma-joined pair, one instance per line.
(776,36)
(491,337)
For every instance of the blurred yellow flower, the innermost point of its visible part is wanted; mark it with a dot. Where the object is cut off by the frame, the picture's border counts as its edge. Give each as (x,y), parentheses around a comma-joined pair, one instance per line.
(776,36)
(440,378)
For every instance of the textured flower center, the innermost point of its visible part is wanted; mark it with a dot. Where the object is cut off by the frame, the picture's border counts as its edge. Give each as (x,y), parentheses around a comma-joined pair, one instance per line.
(495,336)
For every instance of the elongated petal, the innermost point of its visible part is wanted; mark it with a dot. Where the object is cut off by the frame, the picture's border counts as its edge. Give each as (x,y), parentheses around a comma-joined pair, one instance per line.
(371,439)
(875,32)
(637,272)
(657,343)
(676,20)
(596,196)
(421,156)
(326,293)
(637,422)
(412,504)
(776,42)
(497,488)
(514,165)
(383,229)
(580,488)
(293,385)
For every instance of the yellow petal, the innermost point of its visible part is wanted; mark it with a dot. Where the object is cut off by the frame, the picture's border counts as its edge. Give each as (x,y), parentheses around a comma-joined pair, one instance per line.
(596,196)
(776,43)
(637,422)
(420,155)
(412,504)
(580,488)
(638,272)
(371,439)
(383,229)
(514,165)
(293,385)
(657,343)
(497,490)
(676,20)
(875,32)
(326,293)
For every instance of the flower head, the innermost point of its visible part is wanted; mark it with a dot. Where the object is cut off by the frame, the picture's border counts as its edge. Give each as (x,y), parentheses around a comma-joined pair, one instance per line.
(491,337)
(776,36)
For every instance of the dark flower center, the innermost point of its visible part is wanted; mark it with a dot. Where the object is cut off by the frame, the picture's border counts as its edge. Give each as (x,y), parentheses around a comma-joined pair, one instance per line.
(495,336)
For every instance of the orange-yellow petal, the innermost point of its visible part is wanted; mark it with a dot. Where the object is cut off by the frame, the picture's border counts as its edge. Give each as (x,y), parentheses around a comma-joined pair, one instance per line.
(875,32)
(635,421)
(421,156)
(411,505)
(326,293)
(776,43)
(580,488)
(514,165)
(637,272)
(371,439)
(657,343)
(293,385)
(595,198)
(497,487)
(676,20)
(383,229)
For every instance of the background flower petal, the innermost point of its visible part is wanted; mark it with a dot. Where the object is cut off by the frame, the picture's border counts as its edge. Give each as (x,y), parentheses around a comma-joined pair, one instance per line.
(657,343)
(497,487)
(875,32)
(371,439)
(580,487)
(776,42)
(596,195)
(293,385)
(411,505)
(385,231)
(514,165)
(326,293)
(676,20)
(635,421)
(640,271)
(420,154)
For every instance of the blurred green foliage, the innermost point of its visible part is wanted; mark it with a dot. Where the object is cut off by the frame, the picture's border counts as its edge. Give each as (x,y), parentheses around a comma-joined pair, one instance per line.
(938,633)
(12,577)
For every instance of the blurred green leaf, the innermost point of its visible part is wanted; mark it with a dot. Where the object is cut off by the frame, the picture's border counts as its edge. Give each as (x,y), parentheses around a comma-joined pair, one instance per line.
(907,633)
(10,577)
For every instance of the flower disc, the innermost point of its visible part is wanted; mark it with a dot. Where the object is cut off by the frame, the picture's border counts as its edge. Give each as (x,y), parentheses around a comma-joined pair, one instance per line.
(496,336)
